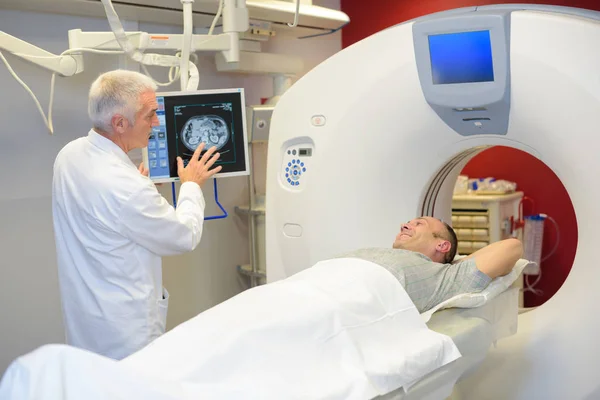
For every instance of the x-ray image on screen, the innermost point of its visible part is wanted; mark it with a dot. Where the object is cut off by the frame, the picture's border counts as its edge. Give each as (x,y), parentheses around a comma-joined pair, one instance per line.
(211,130)
(211,124)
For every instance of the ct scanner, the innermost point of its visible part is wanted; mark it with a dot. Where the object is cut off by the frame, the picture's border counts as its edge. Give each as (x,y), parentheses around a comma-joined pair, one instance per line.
(378,134)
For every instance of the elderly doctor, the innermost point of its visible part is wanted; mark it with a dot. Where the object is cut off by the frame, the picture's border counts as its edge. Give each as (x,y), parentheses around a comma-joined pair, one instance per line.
(112,225)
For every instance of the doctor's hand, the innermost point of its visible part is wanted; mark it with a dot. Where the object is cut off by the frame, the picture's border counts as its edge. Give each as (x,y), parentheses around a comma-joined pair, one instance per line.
(198,169)
(143,170)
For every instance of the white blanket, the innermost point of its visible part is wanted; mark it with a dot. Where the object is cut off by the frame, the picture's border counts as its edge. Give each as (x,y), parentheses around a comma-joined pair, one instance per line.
(343,329)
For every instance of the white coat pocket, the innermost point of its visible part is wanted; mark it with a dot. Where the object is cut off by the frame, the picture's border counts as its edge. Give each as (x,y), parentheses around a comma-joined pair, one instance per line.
(163,306)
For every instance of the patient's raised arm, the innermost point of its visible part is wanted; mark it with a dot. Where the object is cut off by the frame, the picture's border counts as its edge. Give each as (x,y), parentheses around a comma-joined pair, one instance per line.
(499,258)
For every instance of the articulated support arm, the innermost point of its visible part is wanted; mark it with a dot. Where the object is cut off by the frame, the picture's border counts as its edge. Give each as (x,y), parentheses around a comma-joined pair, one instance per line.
(70,62)
(65,65)
(147,41)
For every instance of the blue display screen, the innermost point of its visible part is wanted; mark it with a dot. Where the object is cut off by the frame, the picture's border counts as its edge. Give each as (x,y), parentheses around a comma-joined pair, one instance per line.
(158,147)
(463,57)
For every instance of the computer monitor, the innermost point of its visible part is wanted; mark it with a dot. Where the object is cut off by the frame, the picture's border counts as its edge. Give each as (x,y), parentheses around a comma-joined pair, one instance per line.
(187,119)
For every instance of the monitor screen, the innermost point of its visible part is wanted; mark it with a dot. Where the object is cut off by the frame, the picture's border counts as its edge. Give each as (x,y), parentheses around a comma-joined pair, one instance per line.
(463,57)
(187,119)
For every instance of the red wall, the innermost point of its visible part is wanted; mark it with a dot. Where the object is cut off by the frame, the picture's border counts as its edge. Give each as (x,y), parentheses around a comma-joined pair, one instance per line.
(531,175)
(368,17)
(550,197)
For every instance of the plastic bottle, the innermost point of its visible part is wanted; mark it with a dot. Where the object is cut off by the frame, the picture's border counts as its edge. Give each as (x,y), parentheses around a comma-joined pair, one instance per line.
(533,235)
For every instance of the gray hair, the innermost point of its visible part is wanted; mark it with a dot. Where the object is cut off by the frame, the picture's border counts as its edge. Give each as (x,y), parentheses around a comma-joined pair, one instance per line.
(116,92)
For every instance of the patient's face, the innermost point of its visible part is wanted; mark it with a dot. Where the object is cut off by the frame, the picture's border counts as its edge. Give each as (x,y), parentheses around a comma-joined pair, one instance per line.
(418,235)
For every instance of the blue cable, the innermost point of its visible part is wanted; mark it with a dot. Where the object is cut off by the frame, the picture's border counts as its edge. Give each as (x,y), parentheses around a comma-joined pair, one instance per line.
(224,215)
(219,204)
(174,196)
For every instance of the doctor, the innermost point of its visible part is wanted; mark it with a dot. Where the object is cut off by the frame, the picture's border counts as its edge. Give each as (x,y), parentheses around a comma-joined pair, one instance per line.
(112,226)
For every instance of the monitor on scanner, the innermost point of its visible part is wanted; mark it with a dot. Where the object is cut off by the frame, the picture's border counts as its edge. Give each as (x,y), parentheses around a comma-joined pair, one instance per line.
(463,66)
(187,119)
(461,57)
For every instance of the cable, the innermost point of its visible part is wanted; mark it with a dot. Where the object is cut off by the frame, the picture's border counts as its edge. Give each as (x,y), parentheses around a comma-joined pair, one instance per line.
(557,238)
(174,194)
(521,206)
(171,81)
(214,22)
(530,287)
(295,24)
(50,103)
(148,59)
(188,33)
(135,54)
(37,103)
(126,46)
(175,71)
(48,119)
(173,78)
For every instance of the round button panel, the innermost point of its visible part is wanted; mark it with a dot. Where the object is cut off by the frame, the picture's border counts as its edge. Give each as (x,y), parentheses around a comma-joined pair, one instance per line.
(294,169)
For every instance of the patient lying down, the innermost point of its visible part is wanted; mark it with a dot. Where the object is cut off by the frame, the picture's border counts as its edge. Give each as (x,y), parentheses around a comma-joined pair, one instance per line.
(343,329)
(422,259)
(350,327)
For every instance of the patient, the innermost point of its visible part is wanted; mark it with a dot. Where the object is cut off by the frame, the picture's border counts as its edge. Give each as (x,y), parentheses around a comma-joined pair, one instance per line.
(422,260)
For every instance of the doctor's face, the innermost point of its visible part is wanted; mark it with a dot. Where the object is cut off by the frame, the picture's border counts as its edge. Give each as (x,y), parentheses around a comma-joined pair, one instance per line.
(145,119)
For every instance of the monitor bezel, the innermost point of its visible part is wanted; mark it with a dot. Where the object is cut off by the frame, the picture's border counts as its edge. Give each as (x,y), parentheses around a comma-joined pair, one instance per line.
(239,91)
(471,93)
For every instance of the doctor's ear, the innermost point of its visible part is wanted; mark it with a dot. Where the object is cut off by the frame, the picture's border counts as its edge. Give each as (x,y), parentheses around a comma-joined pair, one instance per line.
(119,123)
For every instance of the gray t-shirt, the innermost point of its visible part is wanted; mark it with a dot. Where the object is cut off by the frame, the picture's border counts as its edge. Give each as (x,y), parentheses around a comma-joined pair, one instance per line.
(427,283)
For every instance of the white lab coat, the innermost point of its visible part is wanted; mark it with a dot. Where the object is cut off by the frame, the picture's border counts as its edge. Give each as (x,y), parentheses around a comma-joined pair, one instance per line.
(111,228)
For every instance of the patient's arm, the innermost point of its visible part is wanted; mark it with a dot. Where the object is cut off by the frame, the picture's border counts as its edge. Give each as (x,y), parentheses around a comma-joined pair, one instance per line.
(499,258)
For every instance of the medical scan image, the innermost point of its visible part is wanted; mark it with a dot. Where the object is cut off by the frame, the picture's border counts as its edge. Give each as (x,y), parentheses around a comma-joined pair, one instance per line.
(209,129)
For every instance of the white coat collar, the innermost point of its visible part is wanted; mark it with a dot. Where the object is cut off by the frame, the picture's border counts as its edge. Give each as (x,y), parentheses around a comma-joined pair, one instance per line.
(110,147)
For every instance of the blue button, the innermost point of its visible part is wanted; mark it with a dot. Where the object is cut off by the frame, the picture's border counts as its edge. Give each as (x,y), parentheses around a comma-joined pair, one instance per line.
(289,164)
(287,169)
(303,169)
(298,161)
(293,161)
(295,172)
(297,183)
(287,175)
(302,164)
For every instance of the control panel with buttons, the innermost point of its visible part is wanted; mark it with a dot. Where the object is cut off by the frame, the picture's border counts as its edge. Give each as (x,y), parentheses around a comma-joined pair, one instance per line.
(296,166)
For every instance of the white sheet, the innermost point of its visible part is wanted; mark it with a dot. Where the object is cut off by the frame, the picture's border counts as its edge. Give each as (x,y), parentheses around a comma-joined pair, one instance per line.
(343,329)
(61,372)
